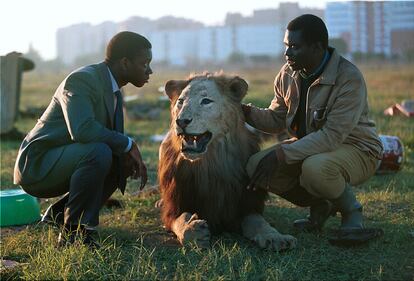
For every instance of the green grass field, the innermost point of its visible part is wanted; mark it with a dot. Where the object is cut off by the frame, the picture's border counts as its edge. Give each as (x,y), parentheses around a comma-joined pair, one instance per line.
(135,245)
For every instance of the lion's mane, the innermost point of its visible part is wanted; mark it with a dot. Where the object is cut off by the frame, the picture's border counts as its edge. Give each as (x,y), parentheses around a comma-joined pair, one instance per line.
(214,186)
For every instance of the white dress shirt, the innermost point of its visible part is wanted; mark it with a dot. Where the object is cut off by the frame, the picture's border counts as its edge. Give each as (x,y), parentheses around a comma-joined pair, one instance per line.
(115,88)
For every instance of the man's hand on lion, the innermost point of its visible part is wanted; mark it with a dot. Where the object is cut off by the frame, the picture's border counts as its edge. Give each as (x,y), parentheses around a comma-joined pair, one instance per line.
(268,166)
(246,108)
(264,171)
(135,166)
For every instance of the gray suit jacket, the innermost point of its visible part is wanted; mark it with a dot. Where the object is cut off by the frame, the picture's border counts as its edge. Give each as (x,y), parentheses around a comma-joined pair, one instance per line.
(81,110)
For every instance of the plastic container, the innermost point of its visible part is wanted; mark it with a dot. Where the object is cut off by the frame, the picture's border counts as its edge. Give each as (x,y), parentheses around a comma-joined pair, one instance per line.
(393,156)
(17,208)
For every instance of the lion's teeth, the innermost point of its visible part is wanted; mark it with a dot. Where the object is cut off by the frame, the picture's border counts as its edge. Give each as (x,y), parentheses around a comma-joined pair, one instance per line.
(190,142)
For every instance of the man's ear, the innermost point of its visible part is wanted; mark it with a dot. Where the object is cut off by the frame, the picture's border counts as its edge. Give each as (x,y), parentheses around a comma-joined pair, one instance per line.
(238,88)
(173,88)
(318,46)
(123,61)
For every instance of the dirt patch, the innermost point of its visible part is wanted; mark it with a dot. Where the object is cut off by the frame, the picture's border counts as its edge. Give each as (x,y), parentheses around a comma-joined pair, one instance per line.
(9,231)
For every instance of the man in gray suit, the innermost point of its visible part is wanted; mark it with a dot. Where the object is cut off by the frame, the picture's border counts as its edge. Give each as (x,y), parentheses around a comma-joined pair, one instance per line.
(78,147)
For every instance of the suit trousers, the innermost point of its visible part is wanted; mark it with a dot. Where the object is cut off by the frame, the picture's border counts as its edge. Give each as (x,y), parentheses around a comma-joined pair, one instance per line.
(85,173)
(323,175)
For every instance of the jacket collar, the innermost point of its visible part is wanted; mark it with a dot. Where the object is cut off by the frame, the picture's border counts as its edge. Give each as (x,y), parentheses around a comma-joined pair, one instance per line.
(115,87)
(328,75)
(106,79)
(108,93)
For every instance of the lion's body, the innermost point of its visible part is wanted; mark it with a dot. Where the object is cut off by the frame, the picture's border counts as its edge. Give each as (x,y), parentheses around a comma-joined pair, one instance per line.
(211,184)
(213,187)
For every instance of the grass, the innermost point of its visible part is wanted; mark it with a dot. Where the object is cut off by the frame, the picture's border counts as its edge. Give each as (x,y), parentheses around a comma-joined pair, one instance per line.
(135,245)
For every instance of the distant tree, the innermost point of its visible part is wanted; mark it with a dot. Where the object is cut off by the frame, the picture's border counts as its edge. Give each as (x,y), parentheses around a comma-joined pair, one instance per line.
(236,57)
(87,59)
(90,58)
(358,56)
(34,55)
(339,44)
(368,57)
(408,55)
(55,66)
(261,58)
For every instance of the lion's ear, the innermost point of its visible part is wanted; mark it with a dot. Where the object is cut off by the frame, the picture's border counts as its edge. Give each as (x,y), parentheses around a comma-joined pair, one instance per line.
(238,87)
(173,88)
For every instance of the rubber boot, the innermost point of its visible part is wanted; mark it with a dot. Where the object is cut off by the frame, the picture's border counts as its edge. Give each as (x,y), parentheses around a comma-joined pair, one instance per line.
(350,209)
(319,213)
(320,209)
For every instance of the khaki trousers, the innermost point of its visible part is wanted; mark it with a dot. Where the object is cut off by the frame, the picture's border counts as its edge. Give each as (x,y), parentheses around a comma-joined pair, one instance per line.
(323,175)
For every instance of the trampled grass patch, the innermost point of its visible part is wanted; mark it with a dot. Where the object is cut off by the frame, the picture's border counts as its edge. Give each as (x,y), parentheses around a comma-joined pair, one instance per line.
(136,246)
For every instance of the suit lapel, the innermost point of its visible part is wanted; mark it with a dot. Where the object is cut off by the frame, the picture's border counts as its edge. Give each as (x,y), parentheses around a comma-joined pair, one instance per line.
(108,95)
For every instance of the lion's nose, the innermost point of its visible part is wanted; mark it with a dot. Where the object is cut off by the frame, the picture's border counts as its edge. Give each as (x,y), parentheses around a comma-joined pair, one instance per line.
(182,123)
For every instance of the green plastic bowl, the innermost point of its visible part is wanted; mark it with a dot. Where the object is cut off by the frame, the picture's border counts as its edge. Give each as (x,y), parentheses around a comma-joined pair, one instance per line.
(17,208)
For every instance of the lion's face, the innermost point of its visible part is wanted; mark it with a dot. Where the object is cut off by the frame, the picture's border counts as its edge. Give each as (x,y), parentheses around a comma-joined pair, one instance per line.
(198,114)
(201,114)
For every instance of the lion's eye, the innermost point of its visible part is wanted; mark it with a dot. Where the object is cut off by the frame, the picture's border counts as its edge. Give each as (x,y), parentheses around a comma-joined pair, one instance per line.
(206,101)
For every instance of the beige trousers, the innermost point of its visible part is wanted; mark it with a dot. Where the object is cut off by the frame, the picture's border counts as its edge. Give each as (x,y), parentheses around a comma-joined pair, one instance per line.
(323,175)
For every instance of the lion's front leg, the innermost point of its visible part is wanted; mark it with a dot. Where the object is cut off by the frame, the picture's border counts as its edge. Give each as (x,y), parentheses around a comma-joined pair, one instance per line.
(256,228)
(190,229)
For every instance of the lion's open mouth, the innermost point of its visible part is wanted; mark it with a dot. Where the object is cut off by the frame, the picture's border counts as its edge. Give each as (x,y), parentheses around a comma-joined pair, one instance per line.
(195,143)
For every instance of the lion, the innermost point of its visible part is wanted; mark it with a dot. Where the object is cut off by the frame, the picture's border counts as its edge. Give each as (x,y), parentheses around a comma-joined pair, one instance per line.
(201,171)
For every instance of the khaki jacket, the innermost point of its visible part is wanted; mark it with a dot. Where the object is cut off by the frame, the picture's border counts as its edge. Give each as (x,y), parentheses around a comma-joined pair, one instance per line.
(336,111)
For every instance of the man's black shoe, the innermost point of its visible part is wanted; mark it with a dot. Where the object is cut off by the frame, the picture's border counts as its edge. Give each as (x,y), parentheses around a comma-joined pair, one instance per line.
(319,213)
(354,237)
(54,214)
(52,218)
(73,234)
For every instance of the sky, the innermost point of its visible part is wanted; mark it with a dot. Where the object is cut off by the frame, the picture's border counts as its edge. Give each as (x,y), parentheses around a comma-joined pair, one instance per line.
(25,22)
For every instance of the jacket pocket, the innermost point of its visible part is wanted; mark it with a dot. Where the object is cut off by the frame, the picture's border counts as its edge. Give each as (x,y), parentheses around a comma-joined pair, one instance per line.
(318,117)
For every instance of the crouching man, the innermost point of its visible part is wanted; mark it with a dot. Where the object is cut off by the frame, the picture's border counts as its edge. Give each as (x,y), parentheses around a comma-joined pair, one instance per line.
(78,147)
(321,99)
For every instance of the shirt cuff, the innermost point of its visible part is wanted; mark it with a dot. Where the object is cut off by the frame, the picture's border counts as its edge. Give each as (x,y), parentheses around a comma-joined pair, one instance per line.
(128,148)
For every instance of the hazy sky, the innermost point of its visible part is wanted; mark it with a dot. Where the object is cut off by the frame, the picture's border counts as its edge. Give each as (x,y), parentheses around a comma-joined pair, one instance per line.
(29,21)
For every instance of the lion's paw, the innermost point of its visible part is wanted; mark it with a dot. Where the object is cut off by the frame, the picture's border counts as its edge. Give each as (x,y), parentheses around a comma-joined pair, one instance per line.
(196,231)
(273,240)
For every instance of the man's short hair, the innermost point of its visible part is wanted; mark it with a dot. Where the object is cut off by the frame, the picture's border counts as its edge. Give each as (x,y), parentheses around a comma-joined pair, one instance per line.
(313,29)
(125,44)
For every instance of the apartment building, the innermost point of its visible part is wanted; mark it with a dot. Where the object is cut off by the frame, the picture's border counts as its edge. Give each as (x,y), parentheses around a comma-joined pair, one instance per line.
(376,27)
(179,41)
(84,38)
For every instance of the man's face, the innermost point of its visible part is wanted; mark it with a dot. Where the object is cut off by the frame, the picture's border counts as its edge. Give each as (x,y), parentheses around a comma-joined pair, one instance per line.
(298,54)
(138,68)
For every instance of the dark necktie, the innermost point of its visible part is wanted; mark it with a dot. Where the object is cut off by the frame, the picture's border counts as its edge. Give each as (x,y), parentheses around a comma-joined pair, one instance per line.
(119,113)
(119,127)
